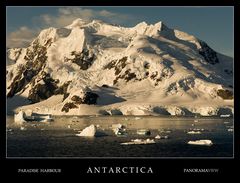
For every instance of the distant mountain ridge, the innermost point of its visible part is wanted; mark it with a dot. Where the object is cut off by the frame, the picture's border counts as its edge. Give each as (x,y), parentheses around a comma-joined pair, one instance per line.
(94,67)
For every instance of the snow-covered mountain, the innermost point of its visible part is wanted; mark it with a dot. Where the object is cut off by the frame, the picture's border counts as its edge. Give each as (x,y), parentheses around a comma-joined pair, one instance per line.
(94,67)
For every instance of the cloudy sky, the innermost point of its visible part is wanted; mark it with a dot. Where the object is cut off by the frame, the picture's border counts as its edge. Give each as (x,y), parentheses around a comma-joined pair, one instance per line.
(211,24)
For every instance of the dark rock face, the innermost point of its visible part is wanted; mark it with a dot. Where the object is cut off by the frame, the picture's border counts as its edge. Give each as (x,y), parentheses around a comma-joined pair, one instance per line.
(83,59)
(90,98)
(105,86)
(68,106)
(35,62)
(62,90)
(76,99)
(127,76)
(118,65)
(110,65)
(225,94)
(41,92)
(208,54)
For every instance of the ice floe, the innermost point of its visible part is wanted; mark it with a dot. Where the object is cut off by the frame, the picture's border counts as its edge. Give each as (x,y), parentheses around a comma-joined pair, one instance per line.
(193,132)
(139,141)
(143,132)
(201,142)
(161,137)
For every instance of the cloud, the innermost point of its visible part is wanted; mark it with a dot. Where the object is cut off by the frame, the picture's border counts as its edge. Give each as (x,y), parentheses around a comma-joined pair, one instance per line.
(21,37)
(67,14)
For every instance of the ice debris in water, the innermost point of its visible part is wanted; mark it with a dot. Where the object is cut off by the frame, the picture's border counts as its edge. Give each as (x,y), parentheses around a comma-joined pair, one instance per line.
(139,141)
(22,128)
(143,132)
(201,142)
(193,132)
(161,137)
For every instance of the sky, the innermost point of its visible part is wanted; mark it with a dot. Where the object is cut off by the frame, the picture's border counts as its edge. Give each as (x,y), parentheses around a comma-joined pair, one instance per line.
(214,25)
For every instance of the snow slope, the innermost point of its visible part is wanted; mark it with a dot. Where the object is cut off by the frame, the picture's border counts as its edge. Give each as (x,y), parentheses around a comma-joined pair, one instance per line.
(98,68)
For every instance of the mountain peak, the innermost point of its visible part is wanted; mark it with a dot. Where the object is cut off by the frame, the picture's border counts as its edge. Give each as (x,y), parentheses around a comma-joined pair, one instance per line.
(77,22)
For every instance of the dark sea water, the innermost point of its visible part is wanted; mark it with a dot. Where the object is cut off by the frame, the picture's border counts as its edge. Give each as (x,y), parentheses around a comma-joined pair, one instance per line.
(58,139)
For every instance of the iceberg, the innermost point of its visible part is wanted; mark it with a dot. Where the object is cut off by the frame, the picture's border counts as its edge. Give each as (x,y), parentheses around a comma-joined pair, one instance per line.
(89,131)
(161,137)
(143,132)
(225,115)
(19,118)
(201,142)
(139,141)
(194,132)
(119,129)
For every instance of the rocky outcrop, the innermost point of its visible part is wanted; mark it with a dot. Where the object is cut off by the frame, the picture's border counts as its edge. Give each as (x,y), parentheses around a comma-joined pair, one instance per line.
(83,59)
(35,62)
(68,106)
(89,98)
(208,53)
(225,94)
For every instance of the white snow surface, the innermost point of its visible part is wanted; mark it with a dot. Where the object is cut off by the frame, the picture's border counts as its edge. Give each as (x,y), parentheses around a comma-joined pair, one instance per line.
(171,77)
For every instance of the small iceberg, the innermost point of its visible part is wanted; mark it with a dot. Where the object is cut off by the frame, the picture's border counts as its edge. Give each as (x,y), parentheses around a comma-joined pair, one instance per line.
(143,132)
(161,137)
(23,128)
(165,131)
(226,122)
(193,132)
(89,131)
(19,118)
(225,115)
(201,142)
(139,141)
(119,130)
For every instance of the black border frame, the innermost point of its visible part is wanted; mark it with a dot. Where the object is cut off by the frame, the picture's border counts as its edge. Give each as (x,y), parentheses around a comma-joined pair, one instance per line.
(167,168)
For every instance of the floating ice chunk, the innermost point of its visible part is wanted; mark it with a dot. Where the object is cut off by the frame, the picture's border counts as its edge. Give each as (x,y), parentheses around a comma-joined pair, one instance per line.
(194,132)
(201,142)
(230,130)
(89,131)
(19,118)
(161,137)
(165,131)
(225,115)
(139,141)
(9,130)
(158,137)
(119,129)
(143,132)
(22,128)
(226,122)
